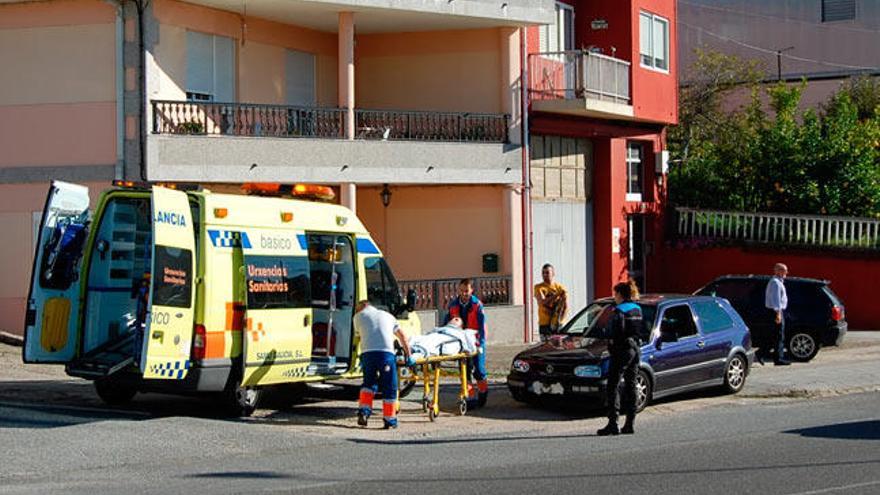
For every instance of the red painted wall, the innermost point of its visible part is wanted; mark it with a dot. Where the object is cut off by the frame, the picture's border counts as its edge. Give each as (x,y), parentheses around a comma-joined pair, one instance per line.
(654,93)
(688,269)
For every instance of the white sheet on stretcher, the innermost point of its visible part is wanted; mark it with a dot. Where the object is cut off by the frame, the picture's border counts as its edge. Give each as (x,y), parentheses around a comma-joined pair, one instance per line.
(443,341)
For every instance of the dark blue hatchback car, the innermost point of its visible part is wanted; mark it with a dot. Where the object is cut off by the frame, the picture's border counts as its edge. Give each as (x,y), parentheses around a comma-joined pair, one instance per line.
(689,342)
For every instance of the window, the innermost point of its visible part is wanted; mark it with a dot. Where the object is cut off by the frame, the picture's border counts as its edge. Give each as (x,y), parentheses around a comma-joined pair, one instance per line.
(679,321)
(654,41)
(634,172)
(276,282)
(172,284)
(559,36)
(210,63)
(381,287)
(589,319)
(838,10)
(713,318)
(300,78)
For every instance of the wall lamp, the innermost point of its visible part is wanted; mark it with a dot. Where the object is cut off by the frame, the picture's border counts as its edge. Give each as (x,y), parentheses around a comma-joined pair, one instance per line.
(385,195)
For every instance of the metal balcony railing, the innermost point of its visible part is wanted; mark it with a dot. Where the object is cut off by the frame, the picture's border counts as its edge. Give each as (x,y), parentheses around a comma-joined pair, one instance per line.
(436,294)
(577,74)
(431,126)
(247,119)
(770,228)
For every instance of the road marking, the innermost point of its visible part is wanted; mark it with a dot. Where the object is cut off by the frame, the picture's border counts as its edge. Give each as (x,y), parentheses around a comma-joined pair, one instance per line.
(838,488)
(60,407)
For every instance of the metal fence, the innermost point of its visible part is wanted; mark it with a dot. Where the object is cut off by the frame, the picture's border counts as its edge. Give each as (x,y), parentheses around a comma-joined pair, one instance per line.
(247,119)
(770,228)
(578,74)
(436,294)
(431,126)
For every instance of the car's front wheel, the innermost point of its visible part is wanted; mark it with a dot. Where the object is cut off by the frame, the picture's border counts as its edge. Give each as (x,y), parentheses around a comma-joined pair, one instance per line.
(735,374)
(643,390)
(802,346)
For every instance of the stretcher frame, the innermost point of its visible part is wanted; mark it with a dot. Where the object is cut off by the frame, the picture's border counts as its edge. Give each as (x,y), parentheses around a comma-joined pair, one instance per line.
(430,378)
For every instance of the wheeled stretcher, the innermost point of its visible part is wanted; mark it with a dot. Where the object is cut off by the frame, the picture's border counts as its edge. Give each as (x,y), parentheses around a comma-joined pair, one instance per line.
(430,370)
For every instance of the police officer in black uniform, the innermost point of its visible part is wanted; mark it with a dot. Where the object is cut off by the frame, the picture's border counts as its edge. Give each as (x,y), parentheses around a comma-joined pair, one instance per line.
(623,330)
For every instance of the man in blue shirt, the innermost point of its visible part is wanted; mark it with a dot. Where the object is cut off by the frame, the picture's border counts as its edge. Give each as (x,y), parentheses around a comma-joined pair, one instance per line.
(776,301)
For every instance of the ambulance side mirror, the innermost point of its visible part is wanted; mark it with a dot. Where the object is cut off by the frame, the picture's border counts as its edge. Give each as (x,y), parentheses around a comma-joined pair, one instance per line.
(411,298)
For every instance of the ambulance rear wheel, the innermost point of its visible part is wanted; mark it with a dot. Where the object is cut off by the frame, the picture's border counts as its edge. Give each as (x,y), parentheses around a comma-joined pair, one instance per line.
(113,392)
(240,401)
(462,407)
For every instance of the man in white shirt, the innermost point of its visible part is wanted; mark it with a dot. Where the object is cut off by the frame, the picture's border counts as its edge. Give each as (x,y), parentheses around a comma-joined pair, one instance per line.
(377,330)
(776,301)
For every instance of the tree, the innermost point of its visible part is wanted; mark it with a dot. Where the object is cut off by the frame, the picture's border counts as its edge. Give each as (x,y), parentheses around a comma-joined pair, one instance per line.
(767,155)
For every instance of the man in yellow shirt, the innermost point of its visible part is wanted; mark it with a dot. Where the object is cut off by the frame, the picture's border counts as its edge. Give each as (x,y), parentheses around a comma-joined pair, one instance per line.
(552,303)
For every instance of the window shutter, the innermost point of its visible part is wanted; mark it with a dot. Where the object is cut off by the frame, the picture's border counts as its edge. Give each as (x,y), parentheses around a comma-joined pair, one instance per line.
(838,10)
(199,63)
(300,78)
(660,44)
(224,69)
(645,39)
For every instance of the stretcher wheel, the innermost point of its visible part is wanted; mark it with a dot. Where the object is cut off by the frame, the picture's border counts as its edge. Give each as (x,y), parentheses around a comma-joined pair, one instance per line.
(425,403)
(431,414)
(462,407)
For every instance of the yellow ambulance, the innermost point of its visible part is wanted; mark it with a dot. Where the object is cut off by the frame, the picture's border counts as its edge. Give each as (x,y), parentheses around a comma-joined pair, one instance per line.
(188,291)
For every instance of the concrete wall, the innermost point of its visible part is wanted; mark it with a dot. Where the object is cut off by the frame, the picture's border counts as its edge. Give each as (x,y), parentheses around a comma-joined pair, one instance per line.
(231,159)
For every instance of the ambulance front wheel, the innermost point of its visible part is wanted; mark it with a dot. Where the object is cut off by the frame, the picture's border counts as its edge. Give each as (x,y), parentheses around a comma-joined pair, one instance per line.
(240,401)
(113,392)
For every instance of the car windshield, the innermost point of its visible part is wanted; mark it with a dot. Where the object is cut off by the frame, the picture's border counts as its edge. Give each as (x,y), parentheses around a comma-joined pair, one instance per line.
(592,321)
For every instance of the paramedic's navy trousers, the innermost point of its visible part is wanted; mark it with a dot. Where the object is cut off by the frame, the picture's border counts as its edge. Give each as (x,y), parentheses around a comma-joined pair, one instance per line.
(380,374)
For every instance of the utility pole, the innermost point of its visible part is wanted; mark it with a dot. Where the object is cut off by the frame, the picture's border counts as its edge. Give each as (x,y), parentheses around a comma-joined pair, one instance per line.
(779,61)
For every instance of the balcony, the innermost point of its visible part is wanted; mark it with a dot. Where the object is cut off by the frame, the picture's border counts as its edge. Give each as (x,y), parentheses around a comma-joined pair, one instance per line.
(245,142)
(580,83)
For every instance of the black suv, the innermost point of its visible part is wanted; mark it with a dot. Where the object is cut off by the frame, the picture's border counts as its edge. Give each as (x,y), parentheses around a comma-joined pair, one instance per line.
(815,315)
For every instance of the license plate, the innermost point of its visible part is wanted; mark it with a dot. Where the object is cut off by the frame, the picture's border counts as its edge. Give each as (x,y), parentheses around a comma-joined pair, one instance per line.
(539,388)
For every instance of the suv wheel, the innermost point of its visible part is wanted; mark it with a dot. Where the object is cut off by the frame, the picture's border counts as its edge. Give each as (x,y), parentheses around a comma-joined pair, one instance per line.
(735,374)
(113,392)
(802,346)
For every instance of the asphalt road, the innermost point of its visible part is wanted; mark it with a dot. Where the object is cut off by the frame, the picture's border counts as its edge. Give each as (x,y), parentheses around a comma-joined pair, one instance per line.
(779,446)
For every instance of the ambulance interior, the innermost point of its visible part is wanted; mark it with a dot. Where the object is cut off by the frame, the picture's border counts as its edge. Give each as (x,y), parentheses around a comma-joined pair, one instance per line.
(117,288)
(331,266)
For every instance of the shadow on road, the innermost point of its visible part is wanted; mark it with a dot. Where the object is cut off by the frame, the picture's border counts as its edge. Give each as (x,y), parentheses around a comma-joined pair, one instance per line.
(860,430)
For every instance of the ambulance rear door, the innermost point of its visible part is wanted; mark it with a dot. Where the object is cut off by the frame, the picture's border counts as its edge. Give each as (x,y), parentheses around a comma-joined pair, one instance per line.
(168,336)
(277,337)
(53,299)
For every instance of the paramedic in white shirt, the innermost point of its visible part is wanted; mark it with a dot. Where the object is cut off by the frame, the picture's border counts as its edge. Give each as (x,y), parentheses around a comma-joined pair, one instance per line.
(776,301)
(377,330)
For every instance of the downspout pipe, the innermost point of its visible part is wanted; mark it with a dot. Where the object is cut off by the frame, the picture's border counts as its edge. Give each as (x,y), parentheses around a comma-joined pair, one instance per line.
(119,166)
(526,189)
(142,83)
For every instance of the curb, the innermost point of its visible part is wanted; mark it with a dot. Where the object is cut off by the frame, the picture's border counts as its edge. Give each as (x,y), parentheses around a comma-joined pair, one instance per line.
(11,339)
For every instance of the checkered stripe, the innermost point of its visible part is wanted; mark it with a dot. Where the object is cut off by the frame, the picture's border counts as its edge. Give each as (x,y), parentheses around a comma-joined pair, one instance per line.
(173,369)
(229,238)
(296,372)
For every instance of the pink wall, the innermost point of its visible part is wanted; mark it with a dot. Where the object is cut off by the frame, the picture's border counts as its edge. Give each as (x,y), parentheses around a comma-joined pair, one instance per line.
(688,269)
(455,224)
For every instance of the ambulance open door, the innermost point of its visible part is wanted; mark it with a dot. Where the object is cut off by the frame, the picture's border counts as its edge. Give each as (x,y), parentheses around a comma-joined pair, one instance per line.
(53,299)
(169,330)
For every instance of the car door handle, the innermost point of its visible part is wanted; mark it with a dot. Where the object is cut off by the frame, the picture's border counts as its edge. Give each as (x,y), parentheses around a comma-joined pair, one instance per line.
(701,344)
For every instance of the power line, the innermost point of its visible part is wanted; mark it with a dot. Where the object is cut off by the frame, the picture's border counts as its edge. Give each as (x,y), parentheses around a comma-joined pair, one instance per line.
(780,18)
(773,52)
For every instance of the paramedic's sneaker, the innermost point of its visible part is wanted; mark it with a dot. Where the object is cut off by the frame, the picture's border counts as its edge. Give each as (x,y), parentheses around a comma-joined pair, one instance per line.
(390,424)
(362,418)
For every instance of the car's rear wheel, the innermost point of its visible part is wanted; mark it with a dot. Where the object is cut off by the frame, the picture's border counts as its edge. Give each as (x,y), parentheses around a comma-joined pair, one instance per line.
(802,347)
(643,390)
(735,374)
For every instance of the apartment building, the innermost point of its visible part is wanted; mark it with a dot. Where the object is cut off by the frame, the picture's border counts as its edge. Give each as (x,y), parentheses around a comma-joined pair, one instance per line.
(411,110)
(602,87)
